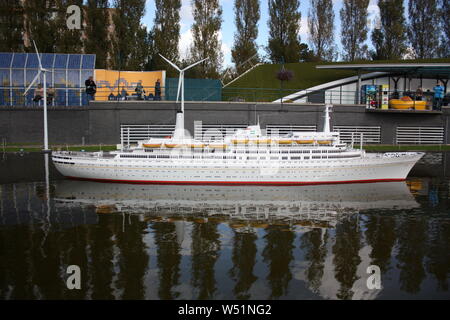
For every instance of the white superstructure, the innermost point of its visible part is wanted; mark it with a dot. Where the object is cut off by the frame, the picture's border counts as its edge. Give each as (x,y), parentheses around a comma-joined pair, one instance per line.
(246,157)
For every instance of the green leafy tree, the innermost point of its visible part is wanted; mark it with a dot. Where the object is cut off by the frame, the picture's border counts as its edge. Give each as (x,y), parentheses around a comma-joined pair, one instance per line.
(354,29)
(97,39)
(246,17)
(379,52)
(207,23)
(40,25)
(321,29)
(151,53)
(284,26)
(444,47)
(11,25)
(128,32)
(166,33)
(141,53)
(391,36)
(423,27)
(306,54)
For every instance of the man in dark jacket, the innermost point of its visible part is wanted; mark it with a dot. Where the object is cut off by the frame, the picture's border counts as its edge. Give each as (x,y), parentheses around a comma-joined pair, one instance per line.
(157,90)
(91,88)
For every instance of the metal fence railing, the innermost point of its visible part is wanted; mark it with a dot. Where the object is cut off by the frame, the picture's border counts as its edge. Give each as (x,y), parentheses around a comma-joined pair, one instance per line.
(208,132)
(280,130)
(76,96)
(371,134)
(420,135)
(131,133)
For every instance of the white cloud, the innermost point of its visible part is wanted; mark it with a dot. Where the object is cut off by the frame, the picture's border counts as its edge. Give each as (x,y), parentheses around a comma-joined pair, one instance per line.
(185,43)
(373,9)
(186,40)
(304,30)
(226,51)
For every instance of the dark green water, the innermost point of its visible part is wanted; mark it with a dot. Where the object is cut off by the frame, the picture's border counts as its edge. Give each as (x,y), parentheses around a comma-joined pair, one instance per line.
(195,242)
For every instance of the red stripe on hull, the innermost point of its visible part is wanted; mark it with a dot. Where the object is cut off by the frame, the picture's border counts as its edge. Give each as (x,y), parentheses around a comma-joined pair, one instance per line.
(234,183)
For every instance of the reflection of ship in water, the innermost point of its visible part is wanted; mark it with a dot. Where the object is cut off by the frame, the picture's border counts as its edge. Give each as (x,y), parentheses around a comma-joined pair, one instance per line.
(313,206)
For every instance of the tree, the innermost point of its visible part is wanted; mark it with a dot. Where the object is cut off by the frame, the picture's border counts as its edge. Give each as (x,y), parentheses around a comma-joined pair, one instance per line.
(390,37)
(284,26)
(423,27)
(97,39)
(306,54)
(354,29)
(321,29)
(128,33)
(205,30)
(444,47)
(11,25)
(142,48)
(40,25)
(166,33)
(379,52)
(246,16)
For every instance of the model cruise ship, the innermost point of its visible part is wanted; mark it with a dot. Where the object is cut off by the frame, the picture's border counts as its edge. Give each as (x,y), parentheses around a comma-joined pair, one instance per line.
(246,157)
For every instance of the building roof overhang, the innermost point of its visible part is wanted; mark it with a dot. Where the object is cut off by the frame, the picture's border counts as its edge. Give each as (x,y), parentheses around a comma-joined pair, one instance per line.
(426,70)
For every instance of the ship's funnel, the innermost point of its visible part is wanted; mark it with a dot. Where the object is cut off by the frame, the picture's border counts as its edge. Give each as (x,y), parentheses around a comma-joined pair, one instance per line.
(326,124)
(178,133)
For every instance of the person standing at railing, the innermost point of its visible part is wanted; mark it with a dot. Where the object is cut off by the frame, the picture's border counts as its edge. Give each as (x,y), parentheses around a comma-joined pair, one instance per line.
(139,90)
(124,94)
(91,88)
(438,96)
(419,94)
(50,95)
(157,90)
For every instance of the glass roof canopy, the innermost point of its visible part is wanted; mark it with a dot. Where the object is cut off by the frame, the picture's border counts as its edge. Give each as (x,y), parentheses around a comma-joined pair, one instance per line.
(66,75)
(49,60)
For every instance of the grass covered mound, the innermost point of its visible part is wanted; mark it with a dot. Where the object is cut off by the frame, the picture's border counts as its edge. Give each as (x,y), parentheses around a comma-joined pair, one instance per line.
(261,83)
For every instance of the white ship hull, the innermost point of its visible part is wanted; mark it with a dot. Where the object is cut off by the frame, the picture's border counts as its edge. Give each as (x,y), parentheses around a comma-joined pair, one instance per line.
(371,168)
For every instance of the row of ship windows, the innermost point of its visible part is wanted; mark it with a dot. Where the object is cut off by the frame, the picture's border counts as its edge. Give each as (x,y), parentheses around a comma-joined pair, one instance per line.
(239,158)
(265,151)
(63,162)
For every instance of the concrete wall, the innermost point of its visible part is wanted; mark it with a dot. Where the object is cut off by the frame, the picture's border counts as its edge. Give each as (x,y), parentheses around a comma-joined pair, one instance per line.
(100,122)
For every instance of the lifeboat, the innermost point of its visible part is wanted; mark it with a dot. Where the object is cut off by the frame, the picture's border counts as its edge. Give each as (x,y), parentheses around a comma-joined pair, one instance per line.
(151,145)
(173,145)
(324,141)
(239,141)
(304,141)
(407,103)
(263,141)
(217,145)
(284,141)
(196,145)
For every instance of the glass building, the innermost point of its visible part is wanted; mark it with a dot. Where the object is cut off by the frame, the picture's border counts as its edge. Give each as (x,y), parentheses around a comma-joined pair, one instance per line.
(67,73)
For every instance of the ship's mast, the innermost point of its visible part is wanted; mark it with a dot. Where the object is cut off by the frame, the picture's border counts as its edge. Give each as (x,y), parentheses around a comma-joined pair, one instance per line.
(326,124)
(179,126)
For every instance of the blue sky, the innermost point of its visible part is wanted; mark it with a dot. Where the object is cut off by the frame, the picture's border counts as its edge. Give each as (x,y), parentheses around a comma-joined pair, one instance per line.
(228,28)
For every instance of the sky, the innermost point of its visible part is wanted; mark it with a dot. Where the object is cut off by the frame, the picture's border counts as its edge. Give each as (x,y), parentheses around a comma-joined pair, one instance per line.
(228,29)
